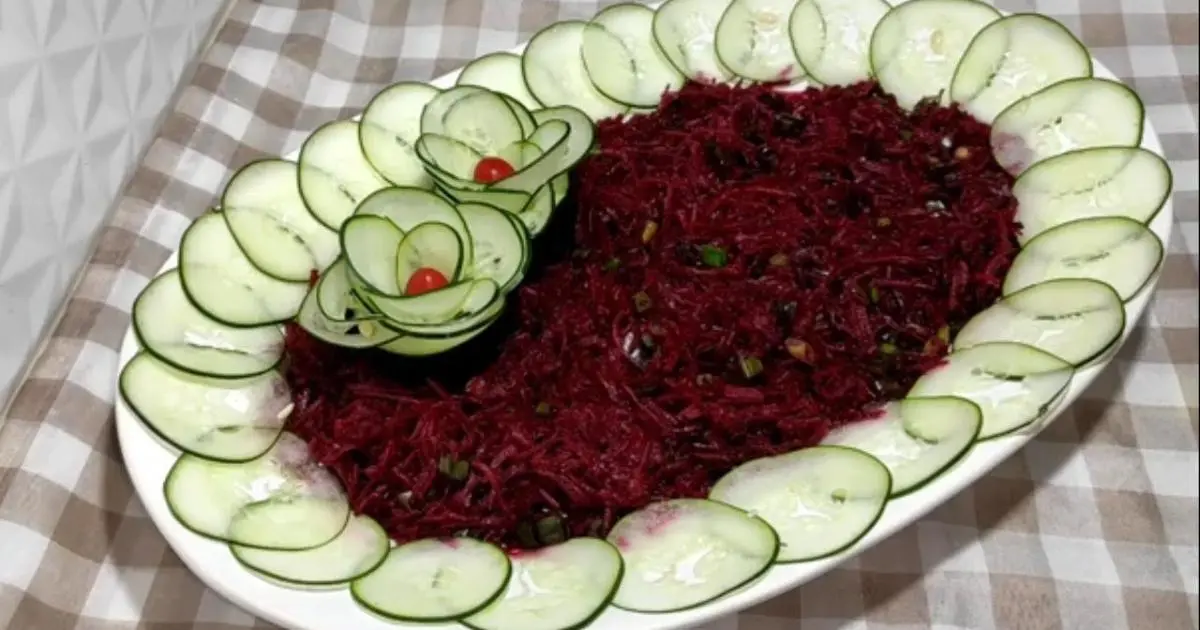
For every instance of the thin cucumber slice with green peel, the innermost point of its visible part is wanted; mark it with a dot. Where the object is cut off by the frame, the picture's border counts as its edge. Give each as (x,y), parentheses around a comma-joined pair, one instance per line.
(447,312)
(435,111)
(449,162)
(223,284)
(388,131)
(1067,116)
(686,31)
(537,213)
(684,552)
(434,246)
(917,46)
(484,121)
(355,552)
(427,581)
(221,420)
(170,327)
(1014,385)
(1014,57)
(371,244)
(622,59)
(520,153)
(359,334)
(752,39)
(832,38)
(1076,320)
(335,176)
(334,295)
(499,72)
(270,221)
(1129,182)
(501,245)
(407,208)
(563,586)
(819,500)
(1120,252)
(418,346)
(916,438)
(513,201)
(555,73)
(282,500)
(435,307)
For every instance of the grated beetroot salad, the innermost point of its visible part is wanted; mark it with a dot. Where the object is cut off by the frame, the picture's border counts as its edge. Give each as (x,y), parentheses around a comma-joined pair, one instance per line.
(737,273)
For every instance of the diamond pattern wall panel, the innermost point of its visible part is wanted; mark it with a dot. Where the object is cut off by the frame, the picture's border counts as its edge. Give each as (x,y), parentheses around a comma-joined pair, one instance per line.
(82,83)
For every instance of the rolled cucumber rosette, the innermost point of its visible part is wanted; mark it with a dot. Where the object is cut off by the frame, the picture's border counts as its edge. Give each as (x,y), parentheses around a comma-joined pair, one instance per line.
(417,274)
(483,146)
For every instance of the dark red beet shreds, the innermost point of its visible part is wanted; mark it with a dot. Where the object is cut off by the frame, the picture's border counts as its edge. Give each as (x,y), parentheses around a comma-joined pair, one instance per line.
(751,269)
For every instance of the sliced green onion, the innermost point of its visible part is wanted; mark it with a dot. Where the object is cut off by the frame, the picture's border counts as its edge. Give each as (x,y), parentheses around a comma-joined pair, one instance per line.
(713,256)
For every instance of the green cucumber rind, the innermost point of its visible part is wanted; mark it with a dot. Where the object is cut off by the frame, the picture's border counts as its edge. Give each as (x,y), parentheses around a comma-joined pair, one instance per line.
(952,462)
(289,583)
(123,389)
(142,342)
(459,617)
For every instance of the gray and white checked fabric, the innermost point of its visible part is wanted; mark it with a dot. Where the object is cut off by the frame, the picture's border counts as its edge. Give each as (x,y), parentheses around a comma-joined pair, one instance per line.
(1093,526)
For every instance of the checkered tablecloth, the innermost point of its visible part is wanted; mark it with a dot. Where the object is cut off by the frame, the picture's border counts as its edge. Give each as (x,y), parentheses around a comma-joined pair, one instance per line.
(1092,526)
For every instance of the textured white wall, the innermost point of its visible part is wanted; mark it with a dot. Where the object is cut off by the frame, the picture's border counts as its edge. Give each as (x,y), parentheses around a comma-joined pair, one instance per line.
(82,84)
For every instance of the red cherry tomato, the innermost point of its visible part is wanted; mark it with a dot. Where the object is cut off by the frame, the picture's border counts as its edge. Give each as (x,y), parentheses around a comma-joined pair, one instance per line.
(492,169)
(424,280)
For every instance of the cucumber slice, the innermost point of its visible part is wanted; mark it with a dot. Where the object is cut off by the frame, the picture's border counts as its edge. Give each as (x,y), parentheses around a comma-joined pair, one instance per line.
(916,438)
(359,334)
(1131,182)
(622,59)
(555,73)
(434,580)
(686,32)
(918,44)
(483,121)
(221,282)
(1076,320)
(435,111)
(335,176)
(832,38)
(416,346)
(501,245)
(333,295)
(389,129)
(224,420)
(451,163)
(433,245)
(372,245)
(1067,116)
(170,327)
(499,72)
(536,214)
(271,223)
(566,135)
(358,550)
(1014,384)
(556,588)
(520,153)
(752,40)
(1118,251)
(407,208)
(448,311)
(819,500)
(283,500)
(1014,57)
(512,201)
(684,552)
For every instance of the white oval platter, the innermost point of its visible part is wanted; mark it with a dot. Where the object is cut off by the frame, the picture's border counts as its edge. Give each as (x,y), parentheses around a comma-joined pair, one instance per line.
(148,462)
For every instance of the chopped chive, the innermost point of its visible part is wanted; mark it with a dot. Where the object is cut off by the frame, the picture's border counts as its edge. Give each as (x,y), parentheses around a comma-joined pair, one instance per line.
(888,348)
(751,366)
(550,530)
(873,294)
(613,264)
(713,256)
